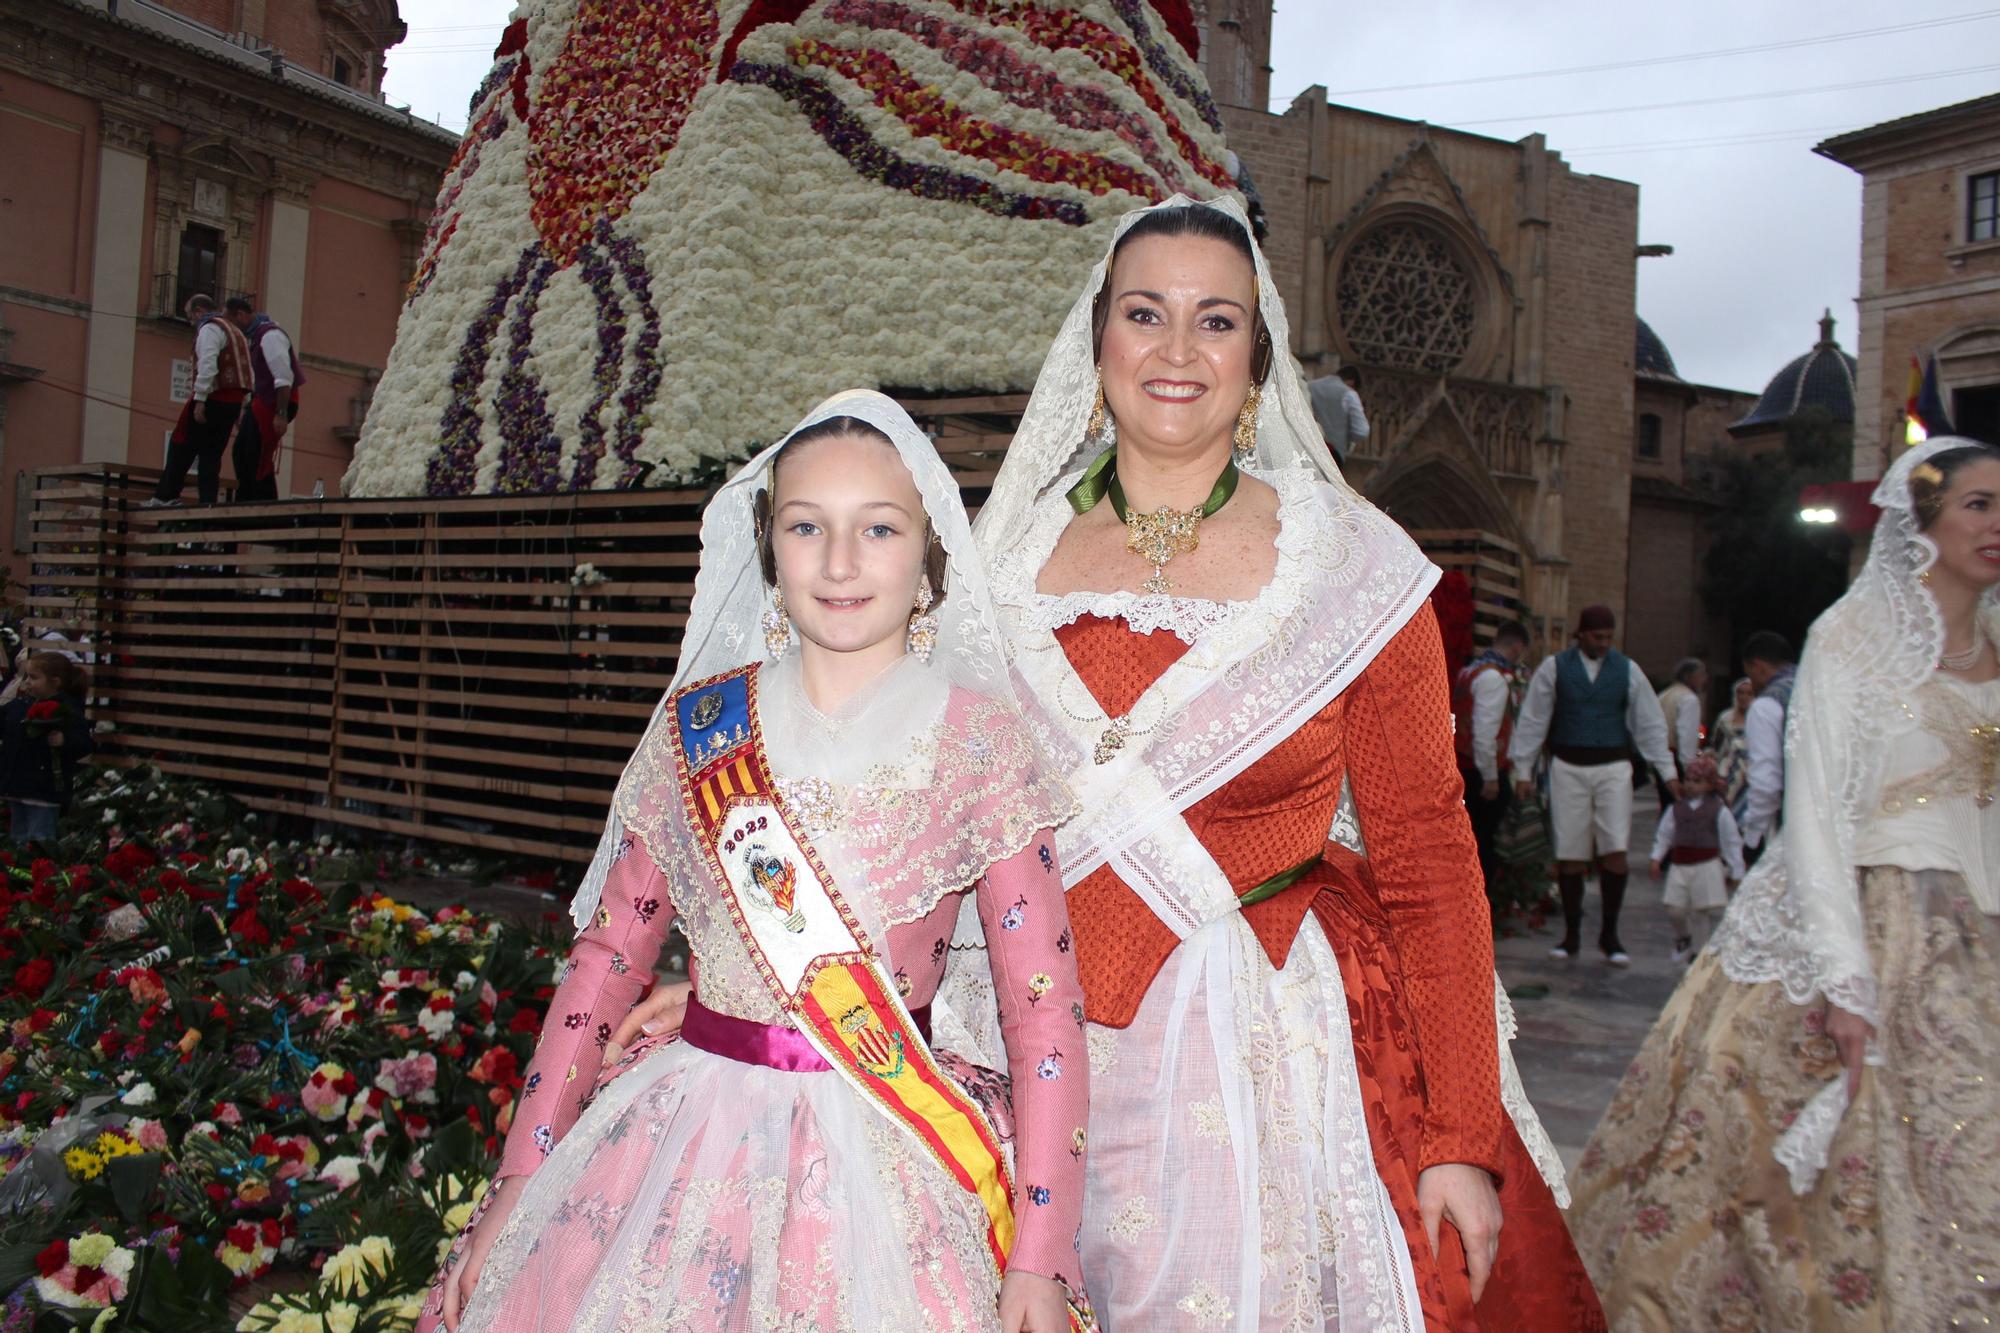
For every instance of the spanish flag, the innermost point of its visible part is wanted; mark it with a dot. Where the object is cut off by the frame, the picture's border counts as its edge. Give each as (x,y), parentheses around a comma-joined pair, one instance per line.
(1923,409)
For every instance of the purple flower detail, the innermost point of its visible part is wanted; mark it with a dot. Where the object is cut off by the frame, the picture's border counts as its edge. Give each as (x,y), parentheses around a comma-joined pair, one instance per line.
(1039,1194)
(1162,64)
(450,469)
(530,450)
(844,132)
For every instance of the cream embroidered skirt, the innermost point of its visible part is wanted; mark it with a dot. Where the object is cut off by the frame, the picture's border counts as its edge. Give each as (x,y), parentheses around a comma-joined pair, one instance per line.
(1687,1221)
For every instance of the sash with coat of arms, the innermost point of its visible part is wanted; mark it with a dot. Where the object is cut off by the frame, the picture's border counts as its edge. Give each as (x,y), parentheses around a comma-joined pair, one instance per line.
(812,952)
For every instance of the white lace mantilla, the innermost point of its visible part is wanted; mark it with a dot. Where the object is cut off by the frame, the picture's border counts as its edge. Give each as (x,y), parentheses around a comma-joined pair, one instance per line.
(1186,618)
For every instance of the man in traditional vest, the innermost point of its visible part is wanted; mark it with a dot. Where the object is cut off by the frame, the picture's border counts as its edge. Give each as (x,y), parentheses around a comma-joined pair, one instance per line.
(222,377)
(1484,701)
(1770,663)
(1593,707)
(274,401)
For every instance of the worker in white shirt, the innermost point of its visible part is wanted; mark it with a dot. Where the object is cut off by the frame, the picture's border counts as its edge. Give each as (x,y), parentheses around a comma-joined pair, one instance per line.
(1680,704)
(273,402)
(1593,706)
(1770,663)
(1336,405)
(221,383)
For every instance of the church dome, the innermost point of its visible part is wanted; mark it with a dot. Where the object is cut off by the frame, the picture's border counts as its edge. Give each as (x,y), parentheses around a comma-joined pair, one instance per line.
(1650,356)
(1822,378)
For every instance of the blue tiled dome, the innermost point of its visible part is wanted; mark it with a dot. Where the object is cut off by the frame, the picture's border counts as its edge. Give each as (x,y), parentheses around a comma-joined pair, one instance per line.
(1650,356)
(1822,378)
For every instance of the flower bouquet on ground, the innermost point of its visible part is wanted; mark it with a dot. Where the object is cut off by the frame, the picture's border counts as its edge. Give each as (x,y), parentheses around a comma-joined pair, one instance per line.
(225,1077)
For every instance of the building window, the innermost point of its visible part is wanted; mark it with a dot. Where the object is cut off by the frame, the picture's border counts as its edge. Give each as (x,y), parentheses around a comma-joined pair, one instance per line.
(342,73)
(200,269)
(1982,214)
(1649,436)
(1406,299)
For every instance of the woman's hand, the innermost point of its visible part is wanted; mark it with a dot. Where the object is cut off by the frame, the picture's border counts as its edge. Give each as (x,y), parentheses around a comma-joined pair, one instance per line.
(55,739)
(464,1275)
(1851,1034)
(658,1015)
(1031,1303)
(1465,1195)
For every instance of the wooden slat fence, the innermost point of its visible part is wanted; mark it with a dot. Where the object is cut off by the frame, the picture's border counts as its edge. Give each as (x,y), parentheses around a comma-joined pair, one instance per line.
(474,671)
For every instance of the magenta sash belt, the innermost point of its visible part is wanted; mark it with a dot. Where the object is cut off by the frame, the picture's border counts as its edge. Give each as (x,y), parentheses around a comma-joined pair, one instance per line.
(765,1044)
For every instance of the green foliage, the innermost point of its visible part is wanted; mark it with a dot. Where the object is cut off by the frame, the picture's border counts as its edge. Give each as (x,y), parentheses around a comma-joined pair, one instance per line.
(1767,569)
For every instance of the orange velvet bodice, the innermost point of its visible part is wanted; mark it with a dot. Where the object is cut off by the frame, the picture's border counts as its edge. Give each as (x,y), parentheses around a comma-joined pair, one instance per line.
(1389,735)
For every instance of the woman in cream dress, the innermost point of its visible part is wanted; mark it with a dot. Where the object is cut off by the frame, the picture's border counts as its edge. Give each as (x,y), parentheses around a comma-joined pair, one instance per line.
(1810,1137)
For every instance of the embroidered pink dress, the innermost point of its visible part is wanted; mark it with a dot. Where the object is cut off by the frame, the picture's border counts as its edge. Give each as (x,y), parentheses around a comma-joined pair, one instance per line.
(704,1190)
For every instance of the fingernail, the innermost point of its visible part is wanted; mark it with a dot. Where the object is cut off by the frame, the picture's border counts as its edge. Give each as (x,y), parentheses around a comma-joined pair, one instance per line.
(653,1028)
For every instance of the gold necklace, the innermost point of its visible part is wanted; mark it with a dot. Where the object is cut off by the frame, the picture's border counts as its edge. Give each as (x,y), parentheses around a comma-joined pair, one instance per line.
(1161,535)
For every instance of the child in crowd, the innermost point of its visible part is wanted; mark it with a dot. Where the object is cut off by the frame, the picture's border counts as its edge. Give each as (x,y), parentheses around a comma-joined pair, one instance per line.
(1702,850)
(44,737)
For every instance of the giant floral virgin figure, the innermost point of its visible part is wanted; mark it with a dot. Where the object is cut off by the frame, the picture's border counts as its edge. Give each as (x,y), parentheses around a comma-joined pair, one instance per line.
(670,222)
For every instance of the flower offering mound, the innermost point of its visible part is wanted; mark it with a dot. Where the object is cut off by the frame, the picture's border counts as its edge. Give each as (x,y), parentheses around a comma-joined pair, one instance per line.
(219,1062)
(673,225)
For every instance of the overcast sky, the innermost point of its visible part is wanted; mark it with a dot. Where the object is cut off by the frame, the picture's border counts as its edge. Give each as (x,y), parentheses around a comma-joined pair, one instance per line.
(1765,232)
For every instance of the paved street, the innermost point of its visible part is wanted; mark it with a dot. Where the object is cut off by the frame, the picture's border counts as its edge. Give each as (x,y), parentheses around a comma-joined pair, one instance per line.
(1577,1038)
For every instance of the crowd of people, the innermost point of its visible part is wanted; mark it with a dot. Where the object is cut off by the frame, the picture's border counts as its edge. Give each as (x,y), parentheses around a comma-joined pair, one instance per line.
(1086,906)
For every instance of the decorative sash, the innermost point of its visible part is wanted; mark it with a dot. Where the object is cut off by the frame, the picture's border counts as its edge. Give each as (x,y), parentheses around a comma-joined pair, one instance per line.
(812,953)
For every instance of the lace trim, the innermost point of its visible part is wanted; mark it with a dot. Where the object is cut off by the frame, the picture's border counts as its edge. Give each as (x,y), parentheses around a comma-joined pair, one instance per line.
(1514,1098)
(1230,626)
(1186,618)
(1803,1149)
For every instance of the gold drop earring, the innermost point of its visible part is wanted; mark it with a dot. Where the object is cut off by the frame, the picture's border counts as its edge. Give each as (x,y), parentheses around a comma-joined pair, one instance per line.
(1093,430)
(923,631)
(777,626)
(1246,425)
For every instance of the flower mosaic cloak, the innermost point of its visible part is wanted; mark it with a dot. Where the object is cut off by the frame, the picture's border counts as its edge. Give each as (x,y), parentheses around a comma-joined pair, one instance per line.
(673,224)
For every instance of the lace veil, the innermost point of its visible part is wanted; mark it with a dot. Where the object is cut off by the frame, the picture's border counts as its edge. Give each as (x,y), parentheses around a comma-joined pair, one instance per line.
(957,711)
(1797,917)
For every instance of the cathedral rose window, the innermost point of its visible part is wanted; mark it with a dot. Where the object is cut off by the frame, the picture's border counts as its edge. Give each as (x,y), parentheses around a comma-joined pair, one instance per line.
(1406,299)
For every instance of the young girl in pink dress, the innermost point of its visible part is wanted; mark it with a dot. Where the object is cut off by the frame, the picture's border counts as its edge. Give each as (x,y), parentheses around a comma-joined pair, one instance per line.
(837,797)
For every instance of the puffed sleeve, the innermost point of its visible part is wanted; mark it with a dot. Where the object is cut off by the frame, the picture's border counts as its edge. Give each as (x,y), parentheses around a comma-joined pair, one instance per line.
(1408,795)
(1029,948)
(609,966)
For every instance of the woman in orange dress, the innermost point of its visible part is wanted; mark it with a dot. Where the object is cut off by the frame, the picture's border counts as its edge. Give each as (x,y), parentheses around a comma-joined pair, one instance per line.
(1300,1112)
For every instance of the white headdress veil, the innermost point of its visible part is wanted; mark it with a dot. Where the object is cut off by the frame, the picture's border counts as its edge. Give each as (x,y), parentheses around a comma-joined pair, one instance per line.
(1797,918)
(724,629)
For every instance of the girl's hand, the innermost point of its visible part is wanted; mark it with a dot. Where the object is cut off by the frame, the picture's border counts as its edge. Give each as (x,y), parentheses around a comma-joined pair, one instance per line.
(464,1275)
(659,1014)
(1031,1303)
(55,739)
(1851,1033)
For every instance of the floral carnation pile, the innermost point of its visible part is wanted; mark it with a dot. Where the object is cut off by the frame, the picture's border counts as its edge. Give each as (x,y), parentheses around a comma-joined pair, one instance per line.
(230,1070)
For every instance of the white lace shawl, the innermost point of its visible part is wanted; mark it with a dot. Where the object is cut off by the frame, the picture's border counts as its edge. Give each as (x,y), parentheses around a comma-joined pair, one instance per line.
(1797,917)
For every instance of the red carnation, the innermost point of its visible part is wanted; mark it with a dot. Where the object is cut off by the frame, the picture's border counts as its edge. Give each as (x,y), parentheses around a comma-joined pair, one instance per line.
(33,976)
(44,711)
(52,1258)
(524,1020)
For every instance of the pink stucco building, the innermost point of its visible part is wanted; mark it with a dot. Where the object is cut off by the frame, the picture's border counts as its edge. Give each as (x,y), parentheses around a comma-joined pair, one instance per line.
(153,148)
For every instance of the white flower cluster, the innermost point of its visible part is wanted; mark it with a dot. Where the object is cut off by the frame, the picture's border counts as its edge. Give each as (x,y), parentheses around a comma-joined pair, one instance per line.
(778,270)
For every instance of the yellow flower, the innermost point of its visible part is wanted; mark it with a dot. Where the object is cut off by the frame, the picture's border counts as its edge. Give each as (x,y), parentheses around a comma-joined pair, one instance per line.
(83,1163)
(340,1318)
(351,1268)
(109,1146)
